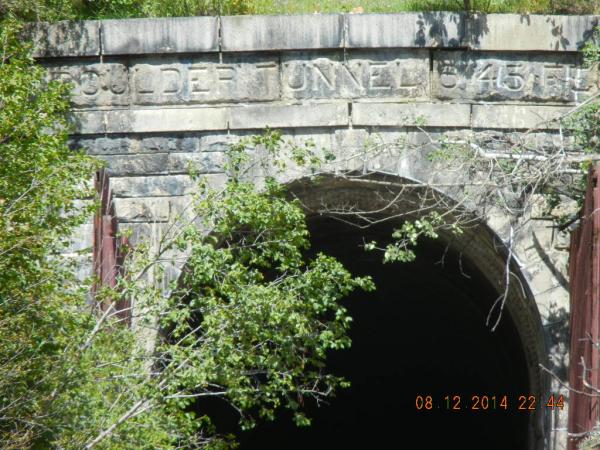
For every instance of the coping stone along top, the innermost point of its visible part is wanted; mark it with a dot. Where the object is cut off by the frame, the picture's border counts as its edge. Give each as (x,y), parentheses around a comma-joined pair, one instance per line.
(66,38)
(426,29)
(531,32)
(159,36)
(297,32)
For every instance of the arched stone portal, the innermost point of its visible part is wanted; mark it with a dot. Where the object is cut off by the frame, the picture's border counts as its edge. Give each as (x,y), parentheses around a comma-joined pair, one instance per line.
(422,333)
(151,96)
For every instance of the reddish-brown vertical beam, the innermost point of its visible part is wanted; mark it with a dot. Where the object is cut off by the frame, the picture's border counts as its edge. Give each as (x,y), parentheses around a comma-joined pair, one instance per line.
(107,257)
(595,297)
(584,271)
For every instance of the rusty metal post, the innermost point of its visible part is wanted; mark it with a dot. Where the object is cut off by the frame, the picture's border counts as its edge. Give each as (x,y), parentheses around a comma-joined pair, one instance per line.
(584,273)
(108,254)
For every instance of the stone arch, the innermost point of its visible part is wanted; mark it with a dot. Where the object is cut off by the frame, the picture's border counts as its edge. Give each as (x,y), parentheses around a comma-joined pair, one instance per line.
(482,250)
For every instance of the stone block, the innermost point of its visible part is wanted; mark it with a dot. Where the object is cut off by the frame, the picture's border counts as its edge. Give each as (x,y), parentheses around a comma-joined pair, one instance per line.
(182,208)
(143,164)
(64,38)
(359,74)
(498,140)
(354,140)
(349,149)
(318,140)
(151,186)
(82,239)
(517,116)
(428,29)
(209,162)
(166,120)
(140,232)
(82,264)
(105,146)
(280,116)
(88,122)
(150,209)
(205,79)
(94,84)
(217,142)
(159,36)
(168,144)
(479,76)
(297,32)
(531,32)
(404,114)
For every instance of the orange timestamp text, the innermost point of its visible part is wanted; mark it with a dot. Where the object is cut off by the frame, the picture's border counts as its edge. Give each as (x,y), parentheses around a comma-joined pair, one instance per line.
(487,403)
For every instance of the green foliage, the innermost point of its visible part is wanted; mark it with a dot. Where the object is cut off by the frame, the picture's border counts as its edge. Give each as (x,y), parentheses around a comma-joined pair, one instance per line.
(40,178)
(512,6)
(406,238)
(56,389)
(251,320)
(585,126)
(591,50)
(40,183)
(388,6)
(52,10)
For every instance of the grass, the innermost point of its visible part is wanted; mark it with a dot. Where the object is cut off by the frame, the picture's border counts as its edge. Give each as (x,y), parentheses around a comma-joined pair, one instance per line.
(50,10)
(389,6)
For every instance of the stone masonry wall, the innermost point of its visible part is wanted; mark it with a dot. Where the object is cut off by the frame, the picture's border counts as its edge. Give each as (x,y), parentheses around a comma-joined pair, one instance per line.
(152,95)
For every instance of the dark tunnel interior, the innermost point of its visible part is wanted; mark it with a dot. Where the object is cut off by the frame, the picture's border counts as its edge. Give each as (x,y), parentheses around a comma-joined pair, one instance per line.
(421,333)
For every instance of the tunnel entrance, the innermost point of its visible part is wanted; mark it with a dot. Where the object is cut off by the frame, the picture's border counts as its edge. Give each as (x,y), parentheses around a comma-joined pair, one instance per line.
(422,333)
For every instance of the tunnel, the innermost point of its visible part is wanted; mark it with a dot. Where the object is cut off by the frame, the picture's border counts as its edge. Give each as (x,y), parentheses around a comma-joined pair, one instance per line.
(425,370)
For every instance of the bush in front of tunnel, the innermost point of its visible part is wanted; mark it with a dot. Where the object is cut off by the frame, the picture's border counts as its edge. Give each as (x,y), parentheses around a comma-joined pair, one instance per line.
(251,319)
(73,379)
(59,372)
(251,324)
(40,183)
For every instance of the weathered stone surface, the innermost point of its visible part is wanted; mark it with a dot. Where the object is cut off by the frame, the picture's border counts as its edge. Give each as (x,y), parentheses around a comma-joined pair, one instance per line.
(209,162)
(103,146)
(166,120)
(160,185)
(216,142)
(168,144)
(478,76)
(94,84)
(432,29)
(531,32)
(399,114)
(142,209)
(156,186)
(83,263)
(139,232)
(81,239)
(64,38)
(88,122)
(135,145)
(348,148)
(516,116)
(205,80)
(182,208)
(402,73)
(143,164)
(147,36)
(309,115)
(498,140)
(298,32)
